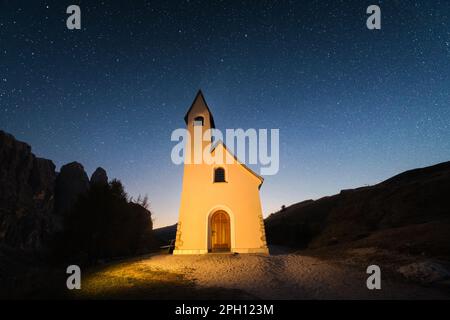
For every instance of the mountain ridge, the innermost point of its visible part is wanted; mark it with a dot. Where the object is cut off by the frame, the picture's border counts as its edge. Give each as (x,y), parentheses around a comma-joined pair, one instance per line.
(416,199)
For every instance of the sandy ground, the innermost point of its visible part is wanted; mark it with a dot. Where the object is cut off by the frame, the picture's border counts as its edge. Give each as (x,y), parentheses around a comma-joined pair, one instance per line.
(283,276)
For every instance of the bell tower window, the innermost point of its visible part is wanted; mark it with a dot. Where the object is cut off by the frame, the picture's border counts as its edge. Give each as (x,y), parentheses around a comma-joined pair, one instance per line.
(199,121)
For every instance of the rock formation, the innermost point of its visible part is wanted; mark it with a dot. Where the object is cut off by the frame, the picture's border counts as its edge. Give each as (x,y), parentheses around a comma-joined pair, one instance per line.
(33,197)
(26,195)
(99,177)
(70,183)
(37,208)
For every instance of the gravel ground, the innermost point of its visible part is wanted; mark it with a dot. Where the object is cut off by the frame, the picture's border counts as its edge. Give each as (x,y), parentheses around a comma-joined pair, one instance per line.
(284,276)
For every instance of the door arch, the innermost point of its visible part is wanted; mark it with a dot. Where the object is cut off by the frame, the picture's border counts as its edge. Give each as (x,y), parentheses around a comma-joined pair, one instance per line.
(220,232)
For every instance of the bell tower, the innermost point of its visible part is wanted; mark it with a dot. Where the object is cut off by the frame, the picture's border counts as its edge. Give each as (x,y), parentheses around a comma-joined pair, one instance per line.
(199,121)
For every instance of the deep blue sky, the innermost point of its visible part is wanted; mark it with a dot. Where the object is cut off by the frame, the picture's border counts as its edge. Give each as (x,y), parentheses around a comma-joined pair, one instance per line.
(353,106)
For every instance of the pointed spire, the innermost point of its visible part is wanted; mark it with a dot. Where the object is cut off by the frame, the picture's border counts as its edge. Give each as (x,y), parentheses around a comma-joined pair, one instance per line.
(201,99)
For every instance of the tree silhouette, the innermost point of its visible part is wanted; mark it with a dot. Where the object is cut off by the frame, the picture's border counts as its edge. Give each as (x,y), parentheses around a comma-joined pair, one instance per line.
(104,223)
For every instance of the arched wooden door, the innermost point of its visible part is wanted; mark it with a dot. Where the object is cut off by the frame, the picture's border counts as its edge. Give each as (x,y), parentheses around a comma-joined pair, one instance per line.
(220,232)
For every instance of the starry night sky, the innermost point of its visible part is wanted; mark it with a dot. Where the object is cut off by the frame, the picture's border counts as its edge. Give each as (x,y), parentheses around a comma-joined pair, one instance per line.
(353,106)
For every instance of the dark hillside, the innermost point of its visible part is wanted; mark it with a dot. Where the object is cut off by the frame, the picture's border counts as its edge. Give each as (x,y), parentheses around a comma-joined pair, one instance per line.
(409,212)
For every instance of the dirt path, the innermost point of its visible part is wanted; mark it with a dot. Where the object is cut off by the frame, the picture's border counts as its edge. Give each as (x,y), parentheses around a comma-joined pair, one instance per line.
(283,276)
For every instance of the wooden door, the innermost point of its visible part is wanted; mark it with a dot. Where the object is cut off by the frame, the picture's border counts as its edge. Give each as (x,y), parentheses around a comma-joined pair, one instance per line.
(220,231)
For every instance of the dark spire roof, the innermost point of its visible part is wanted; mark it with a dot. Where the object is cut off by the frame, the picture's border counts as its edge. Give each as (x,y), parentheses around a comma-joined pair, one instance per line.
(200,96)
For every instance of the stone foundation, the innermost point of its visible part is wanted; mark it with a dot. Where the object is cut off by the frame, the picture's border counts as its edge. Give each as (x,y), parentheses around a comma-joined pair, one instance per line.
(233,250)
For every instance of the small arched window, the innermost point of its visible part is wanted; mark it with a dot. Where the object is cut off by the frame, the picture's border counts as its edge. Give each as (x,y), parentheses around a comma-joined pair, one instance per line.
(219,175)
(198,121)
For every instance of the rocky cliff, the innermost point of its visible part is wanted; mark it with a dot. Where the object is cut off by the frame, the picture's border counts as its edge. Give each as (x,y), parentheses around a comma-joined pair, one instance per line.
(65,216)
(26,195)
(33,197)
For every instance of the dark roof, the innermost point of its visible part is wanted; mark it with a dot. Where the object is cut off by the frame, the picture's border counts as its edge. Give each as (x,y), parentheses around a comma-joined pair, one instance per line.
(200,96)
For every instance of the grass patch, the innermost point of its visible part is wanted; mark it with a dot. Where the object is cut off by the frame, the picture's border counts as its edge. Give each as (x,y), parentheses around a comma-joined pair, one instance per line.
(137,280)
